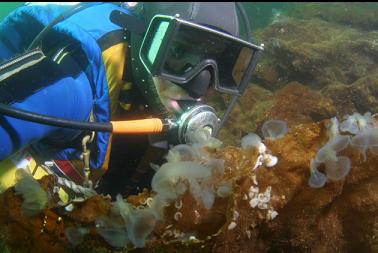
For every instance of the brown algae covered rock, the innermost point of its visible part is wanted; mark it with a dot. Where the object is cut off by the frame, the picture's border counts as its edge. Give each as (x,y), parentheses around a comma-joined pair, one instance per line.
(359,96)
(359,15)
(248,114)
(265,208)
(316,53)
(297,104)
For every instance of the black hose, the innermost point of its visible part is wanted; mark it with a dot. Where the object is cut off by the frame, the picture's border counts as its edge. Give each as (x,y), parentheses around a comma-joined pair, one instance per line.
(53,121)
(57,20)
(48,120)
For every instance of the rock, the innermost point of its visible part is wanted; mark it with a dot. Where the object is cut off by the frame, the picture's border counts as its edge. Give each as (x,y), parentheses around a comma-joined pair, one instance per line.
(340,217)
(356,15)
(247,115)
(297,104)
(361,96)
(316,53)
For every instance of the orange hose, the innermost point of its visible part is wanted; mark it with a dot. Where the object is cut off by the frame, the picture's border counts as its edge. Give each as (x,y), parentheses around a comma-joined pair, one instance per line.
(142,126)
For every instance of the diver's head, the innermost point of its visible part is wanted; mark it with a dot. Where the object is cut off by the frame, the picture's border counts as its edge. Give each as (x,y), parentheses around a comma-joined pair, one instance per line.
(170,92)
(188,49)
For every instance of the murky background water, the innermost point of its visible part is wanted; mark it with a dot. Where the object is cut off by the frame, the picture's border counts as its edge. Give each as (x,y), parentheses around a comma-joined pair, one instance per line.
(260,13)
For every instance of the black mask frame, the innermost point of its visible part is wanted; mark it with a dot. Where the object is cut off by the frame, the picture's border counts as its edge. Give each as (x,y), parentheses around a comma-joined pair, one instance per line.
(166,32)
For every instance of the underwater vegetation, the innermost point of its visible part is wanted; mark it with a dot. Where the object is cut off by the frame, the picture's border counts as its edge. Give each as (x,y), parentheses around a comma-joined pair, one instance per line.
(296,169)
(210,198)
(312,69)
(357,15)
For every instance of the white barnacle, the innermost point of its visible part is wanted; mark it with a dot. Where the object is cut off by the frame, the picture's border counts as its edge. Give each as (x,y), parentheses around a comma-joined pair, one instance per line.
(197,217)
(245,197)
(143,202)
(264,197)
(262,205)
(251,195)
(254,189)
(254,180)
(248,234)
(56,189)
(271,214)
(149,201)
(69,208)
(77,200)
(270,160)
(167,233)
(268,189)
(253,202)
(232,225)
(177,216)
(235,215)
(169,226)
(261,148)
(178,204)
(258,162)
(193,238)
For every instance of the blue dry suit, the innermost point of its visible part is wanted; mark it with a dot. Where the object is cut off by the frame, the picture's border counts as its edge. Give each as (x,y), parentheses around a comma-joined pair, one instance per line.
(68,96)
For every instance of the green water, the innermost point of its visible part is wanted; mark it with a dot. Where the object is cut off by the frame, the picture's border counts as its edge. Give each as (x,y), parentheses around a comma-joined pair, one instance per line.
(7,7)
(260,14)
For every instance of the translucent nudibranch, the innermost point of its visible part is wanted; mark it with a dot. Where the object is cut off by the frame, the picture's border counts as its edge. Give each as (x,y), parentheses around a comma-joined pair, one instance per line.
(317,179)
(274,129)
(359,131)
(253,140)
(188,169)
(356,122)
(35,198)
(366,139)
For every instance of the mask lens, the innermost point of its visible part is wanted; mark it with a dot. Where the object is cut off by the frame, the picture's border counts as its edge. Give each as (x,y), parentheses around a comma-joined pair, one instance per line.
(157,40)
(191,46)
(181,59)
(178,51)
(182,55)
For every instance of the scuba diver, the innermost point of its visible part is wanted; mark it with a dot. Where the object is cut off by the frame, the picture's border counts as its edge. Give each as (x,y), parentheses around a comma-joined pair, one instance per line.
(96,92)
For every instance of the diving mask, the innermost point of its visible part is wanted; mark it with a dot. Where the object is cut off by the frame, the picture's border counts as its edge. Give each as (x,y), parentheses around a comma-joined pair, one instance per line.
(179,51)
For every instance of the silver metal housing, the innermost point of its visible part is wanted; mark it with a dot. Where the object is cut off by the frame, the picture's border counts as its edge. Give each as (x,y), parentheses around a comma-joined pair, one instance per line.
(198,117)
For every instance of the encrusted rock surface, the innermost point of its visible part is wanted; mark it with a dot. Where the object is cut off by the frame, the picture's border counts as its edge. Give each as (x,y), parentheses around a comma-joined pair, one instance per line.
(340,217)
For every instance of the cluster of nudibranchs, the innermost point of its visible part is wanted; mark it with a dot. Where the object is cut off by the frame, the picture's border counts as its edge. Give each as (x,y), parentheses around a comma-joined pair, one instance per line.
(188,169)
(356,130)
(271,129)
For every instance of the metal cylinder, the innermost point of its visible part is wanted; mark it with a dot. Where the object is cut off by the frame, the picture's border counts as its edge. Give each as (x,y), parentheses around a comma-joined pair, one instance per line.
(198,117)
